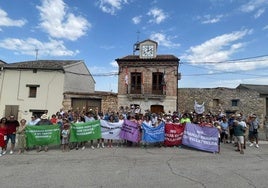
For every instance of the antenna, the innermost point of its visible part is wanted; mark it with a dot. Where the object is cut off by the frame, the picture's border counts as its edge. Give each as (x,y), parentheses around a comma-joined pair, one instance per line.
(36,54)
(138,35)
(136,46)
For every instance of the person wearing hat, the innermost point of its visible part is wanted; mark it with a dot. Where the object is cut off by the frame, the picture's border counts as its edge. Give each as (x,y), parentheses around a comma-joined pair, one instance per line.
(43,121)
(253,130)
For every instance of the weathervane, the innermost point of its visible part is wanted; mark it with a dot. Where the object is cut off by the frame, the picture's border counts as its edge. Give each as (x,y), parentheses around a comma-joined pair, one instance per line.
(136,46)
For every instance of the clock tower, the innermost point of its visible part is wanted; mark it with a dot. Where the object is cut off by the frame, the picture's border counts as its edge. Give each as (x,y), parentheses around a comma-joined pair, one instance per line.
(148,80)
(148,49)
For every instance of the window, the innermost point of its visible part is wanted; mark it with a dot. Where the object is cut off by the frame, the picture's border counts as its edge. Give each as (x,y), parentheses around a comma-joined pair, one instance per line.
(32,90)
(235,102)
(135,83)
(158,83)
(216,102)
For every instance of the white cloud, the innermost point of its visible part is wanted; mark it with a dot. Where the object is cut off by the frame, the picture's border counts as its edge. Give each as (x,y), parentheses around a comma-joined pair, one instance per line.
(158,15)
(8,22)
(136,19)
(259,13)
(253,5)
(233,83)
(114,64)
(111,6)
(163,40)
(215,54)
(28,47)
(209,19)
(243,65)
(265,27)
(216,49)
(59,23)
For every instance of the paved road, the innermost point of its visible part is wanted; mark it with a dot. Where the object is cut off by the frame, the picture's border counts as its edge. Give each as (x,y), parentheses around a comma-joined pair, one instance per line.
(136,167)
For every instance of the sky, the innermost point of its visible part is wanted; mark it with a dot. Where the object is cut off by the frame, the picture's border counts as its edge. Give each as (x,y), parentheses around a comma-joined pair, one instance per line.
(220,43)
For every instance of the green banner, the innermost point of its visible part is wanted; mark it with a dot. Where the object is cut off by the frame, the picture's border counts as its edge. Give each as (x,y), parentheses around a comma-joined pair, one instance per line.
(42,135)
(85,131)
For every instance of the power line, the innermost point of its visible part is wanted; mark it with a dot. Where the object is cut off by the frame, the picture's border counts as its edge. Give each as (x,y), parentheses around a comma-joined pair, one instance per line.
(229,61)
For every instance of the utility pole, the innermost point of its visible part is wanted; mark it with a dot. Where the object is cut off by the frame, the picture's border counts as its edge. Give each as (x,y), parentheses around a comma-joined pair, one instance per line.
(36,54)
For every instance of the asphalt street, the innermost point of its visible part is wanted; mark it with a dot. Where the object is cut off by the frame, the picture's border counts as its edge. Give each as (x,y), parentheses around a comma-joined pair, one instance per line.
(136,167)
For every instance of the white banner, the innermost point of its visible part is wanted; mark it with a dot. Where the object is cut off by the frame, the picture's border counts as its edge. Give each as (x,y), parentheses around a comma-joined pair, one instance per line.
(199,108)
(111,130)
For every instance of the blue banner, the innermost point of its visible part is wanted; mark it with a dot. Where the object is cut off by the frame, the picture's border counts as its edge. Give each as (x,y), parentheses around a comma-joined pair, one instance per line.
(203,138)
(153,134)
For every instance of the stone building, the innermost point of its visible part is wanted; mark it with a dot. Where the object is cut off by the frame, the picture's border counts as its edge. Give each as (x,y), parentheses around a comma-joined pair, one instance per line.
(245,98)
(148,81)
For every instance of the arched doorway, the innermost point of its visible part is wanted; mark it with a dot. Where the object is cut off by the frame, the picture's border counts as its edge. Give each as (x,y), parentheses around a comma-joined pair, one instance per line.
(157,108)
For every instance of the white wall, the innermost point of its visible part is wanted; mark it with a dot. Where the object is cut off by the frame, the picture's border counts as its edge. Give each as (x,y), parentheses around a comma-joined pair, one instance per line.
(78,79)
(13,91)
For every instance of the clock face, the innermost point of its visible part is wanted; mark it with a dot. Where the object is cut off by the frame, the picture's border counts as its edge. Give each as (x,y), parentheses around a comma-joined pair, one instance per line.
(147,51)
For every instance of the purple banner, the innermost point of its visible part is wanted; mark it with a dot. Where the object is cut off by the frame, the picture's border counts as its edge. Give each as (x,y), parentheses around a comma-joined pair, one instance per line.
(130,131)
(203,138)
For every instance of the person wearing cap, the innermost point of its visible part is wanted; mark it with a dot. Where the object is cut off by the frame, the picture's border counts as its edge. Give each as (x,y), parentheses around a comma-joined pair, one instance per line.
(11,126)
(44,121)
(253,130)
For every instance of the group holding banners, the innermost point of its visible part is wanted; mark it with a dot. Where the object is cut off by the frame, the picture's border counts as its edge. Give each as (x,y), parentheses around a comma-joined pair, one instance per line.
(171,134)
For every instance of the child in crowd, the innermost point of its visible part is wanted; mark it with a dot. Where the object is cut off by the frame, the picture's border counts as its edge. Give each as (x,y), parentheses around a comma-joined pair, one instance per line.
(65,133)
(21,136)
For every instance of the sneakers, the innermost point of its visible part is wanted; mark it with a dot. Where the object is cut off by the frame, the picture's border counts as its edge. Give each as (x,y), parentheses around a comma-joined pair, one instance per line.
(98,146)
(241,152)
(102,145)
(46,148)
(83,147)
(39,149)
(251,144)
(257,146)
(11,152)
(4,152)
(92,147)
(1,155)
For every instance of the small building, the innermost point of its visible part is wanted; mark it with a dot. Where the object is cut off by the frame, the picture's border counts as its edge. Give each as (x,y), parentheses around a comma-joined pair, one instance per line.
(148,80)
(34,87)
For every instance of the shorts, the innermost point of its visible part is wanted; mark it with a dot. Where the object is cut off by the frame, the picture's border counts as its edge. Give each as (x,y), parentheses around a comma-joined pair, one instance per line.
(12,137)
(240,139)
(252,135)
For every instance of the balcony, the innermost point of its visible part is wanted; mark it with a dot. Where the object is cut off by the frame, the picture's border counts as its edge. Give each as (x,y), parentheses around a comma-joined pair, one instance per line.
(146,97)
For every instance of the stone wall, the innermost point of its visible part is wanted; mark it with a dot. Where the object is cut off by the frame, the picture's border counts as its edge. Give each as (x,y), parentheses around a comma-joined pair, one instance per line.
(109,103)
(220,99)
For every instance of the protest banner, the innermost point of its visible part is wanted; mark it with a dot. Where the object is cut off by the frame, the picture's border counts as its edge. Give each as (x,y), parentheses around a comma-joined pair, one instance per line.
(80,132)
(130,131)
(111,130)
(201,137)
(153,134)
(173,134)
(42,135)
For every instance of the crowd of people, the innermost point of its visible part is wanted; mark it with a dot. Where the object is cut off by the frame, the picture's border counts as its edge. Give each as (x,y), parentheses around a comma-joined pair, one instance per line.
(233,128)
